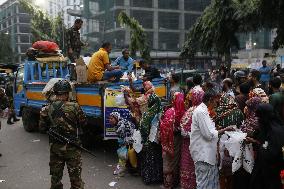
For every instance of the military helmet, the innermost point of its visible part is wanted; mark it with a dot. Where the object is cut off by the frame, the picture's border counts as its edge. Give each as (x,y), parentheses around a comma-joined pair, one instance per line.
(239,74)
(62,86)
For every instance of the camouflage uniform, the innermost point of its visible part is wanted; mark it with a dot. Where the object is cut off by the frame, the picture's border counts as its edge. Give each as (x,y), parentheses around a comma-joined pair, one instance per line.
(74,42)
(67,125)
(9,93)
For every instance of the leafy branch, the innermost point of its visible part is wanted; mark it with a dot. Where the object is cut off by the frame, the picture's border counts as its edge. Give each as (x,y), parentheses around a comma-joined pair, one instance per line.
(138,36)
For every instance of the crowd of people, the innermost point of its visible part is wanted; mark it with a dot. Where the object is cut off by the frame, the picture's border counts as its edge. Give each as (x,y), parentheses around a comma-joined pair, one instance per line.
(226,134)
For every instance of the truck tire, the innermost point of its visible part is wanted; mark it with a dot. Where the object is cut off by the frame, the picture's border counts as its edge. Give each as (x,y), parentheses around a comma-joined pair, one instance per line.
(30,119)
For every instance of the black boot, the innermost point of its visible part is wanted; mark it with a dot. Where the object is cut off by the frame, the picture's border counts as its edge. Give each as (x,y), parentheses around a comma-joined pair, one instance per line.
(14,116)
(15,119)
(9,122)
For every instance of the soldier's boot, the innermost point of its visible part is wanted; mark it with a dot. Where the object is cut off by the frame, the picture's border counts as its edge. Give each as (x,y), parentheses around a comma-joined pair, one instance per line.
(9,122)
(77,183)
(15,118)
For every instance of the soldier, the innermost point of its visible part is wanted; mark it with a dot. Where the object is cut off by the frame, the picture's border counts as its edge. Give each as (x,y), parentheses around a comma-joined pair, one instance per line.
(11,112)
(65,118)
(74,43)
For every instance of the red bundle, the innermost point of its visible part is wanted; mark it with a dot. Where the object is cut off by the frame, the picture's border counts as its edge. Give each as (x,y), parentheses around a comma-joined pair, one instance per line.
(46,46)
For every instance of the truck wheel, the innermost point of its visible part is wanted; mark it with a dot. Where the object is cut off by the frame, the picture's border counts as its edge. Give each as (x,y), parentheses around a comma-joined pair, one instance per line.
(30,119)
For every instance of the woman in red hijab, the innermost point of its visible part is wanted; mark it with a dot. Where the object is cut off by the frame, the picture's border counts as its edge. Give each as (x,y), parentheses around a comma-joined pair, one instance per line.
(170,136)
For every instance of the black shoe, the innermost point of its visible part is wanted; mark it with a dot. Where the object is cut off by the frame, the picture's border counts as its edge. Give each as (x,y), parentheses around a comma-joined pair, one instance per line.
(10,122)
(15,120)
(0,154)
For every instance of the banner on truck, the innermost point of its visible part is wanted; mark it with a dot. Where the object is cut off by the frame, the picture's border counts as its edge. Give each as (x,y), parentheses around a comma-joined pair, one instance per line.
(110,105)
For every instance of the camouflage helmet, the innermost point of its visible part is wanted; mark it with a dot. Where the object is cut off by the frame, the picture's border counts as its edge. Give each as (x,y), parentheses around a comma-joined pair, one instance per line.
(239,74)
(62,86)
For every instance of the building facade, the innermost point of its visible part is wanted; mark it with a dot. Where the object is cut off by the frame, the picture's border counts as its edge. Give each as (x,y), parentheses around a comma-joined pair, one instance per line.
(165,21)
(15,22)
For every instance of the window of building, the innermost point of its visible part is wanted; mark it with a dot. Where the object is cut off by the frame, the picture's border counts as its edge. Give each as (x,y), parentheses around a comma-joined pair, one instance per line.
(145,18)
(168,41)
(24,48)
(150,37)
(196,5)
(168,21)
(24,19)
(24,39)
(119,2)
(168,4)
(189,20)
(24,29)
(139,3)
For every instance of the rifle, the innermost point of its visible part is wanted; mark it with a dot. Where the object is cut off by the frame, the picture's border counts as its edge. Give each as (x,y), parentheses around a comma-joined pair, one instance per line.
(64,139)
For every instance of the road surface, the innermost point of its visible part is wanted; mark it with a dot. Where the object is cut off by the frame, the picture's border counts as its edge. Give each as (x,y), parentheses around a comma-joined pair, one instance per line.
(25,157)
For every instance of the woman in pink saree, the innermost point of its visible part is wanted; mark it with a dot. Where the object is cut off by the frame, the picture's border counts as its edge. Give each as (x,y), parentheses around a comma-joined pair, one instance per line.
(187,170)
(170,138)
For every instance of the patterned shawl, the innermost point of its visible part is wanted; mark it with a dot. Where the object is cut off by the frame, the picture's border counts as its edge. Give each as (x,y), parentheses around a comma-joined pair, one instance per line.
(259,92)
(170,123)
(185,124)
(154,108)
(228,112)
(139,105)
(124,128)
(251,122)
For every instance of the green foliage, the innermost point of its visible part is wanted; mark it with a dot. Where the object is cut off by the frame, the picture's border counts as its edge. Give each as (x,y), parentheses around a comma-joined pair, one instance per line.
(42,26)
(216,29)
(138,36)
(6,52)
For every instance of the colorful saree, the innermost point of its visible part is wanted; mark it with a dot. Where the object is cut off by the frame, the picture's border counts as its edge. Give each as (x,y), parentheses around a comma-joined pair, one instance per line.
(171,140)
(151,154)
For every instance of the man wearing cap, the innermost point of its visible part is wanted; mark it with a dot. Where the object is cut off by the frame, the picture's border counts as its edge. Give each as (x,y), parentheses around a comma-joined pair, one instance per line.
(125,62)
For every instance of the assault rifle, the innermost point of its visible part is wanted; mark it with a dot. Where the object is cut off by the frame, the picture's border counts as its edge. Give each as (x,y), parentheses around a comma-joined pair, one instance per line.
(55,135)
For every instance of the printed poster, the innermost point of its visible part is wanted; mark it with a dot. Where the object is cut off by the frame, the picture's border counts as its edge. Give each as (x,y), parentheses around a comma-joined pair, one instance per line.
(110,106)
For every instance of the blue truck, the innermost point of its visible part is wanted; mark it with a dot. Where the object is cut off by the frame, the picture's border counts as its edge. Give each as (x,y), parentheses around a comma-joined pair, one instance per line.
(32,77)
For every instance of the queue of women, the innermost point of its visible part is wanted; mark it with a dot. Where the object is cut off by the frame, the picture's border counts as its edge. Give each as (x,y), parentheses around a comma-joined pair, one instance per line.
(205,138)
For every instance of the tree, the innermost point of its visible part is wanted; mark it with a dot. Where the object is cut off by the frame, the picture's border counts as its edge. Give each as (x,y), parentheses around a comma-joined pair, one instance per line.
(42,26)
(216,29)
(138,36)
(6,52)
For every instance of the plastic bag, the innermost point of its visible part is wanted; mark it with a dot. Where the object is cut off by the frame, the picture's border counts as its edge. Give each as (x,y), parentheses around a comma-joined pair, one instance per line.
(122,153)
(154,129)
(120,100)
(132,157)
(48,87)
(137,141)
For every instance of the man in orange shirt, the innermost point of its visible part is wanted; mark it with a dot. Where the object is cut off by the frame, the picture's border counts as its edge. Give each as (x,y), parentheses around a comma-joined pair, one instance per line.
(100,68)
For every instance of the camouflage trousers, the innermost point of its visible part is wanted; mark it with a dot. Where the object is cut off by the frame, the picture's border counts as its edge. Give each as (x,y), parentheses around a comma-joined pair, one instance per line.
(61,154)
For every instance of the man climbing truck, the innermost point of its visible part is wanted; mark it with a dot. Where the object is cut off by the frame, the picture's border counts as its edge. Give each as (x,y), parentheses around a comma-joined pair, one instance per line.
(96,99)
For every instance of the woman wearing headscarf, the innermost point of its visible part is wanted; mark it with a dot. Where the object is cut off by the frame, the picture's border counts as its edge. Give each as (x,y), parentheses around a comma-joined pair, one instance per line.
(138,105)
(124,131)
(187,170)
(227,114)
(269,159)
(151,154)
(241,178)
(170,138)
(250,124)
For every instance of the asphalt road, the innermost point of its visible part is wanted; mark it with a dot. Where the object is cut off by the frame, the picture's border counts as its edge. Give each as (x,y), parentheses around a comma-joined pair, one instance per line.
(25,157)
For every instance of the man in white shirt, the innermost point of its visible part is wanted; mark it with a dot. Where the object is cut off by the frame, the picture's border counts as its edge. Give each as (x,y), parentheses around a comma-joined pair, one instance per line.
(203,143)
